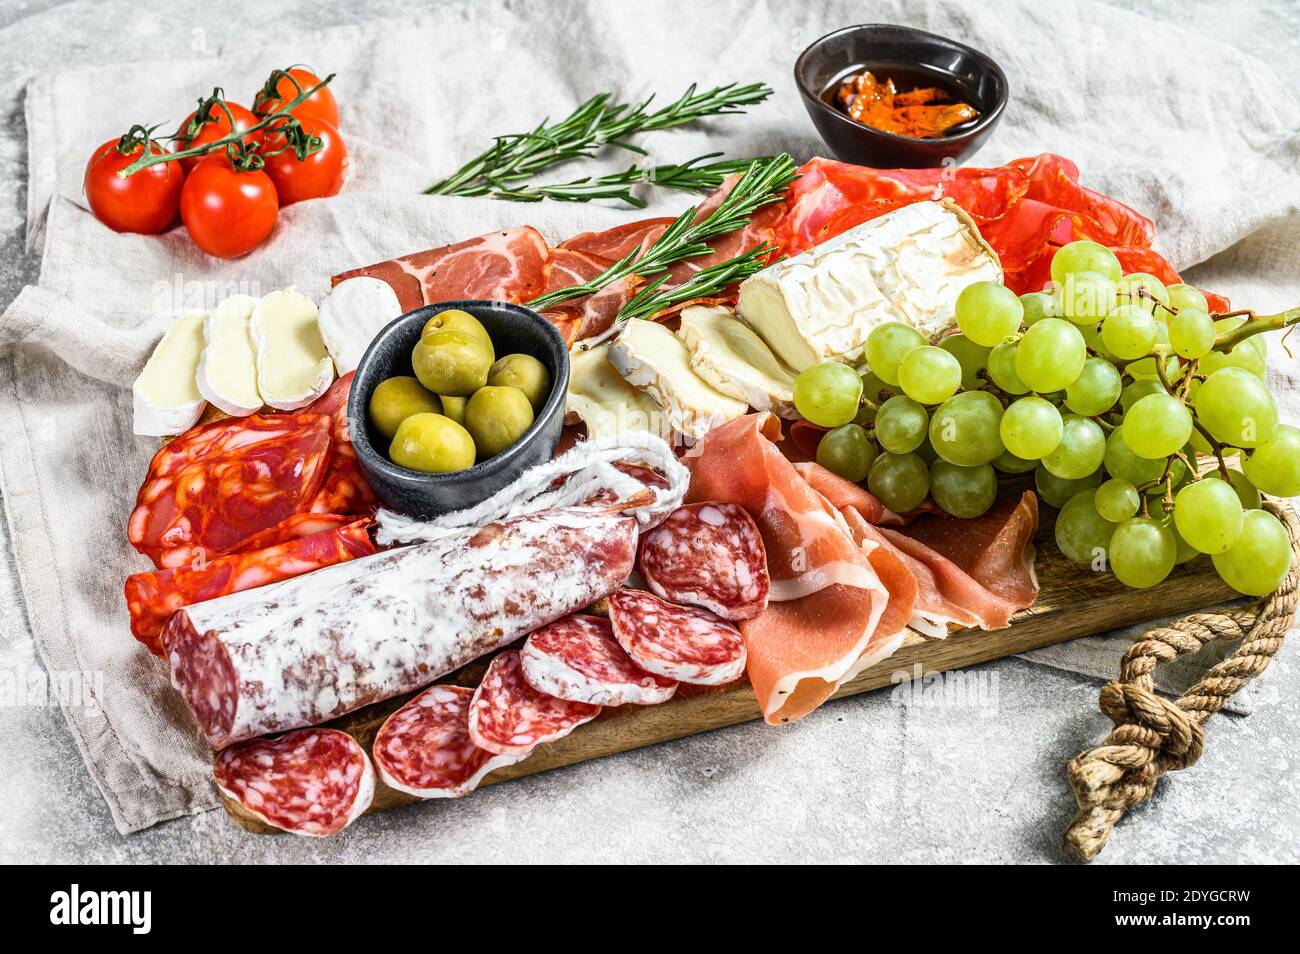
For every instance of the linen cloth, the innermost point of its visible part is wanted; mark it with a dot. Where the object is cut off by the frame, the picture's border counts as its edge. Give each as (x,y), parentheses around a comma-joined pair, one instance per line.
(1213,162)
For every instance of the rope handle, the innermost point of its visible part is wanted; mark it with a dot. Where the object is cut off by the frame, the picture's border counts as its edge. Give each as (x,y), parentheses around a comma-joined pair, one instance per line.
(1154,735)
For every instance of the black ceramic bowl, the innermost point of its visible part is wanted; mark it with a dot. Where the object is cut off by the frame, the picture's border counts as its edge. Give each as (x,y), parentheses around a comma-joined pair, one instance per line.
(915,55)
(514,330)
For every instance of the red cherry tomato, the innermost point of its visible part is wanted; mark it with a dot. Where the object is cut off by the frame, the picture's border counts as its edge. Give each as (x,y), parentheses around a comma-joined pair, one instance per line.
(218,127)
(144,202)
(320,174)
(320,105)
(228,212)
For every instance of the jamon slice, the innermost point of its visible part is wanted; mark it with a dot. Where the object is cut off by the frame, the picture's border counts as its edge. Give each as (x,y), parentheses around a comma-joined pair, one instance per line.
(843,493)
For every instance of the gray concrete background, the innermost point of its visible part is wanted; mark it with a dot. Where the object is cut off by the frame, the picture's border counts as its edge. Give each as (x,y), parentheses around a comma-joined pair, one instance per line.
(867,779)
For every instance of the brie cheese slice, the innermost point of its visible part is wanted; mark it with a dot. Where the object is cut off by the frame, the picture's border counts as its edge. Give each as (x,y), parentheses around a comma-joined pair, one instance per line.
(352,314)
(652,358)
(727,354)
(227,374)
(165,396)
(907,266)
(293,368)
(602,400)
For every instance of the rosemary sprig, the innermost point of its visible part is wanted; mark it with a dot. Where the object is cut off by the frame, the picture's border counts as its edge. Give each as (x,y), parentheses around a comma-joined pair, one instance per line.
(705,283)
(694,175)
(597,122)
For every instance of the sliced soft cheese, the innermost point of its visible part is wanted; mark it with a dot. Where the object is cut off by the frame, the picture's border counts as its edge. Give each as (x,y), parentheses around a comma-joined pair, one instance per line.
(293,368)
(652,358)
(227,374)
(907,266)
(606,403)
(352,314)
(166,397)
(727,354)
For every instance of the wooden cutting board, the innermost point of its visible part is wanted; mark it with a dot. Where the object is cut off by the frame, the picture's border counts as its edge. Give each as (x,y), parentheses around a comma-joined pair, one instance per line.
(1072,602)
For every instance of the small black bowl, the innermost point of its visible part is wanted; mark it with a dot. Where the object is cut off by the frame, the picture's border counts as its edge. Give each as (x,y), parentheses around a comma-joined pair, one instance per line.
(882,46)
(514,330)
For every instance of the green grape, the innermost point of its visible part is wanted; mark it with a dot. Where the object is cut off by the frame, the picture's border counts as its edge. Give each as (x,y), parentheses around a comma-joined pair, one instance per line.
(1117,500)
(1050,355)
(1138,390)
(846,450)
(1247,355)
(887,344)
(901,425)
(1092,338)
(1121,462)
(1057,490)
(1085,256)
(1087,297)
(1095,390)
(1129,286)
(1246,492)
(1191,333)
(1009,463)
(1145,369)
(1129,332)
(872,388)
(1156,426)
(1185,550)
(899,481)
(926,452)
(1236,408)
(1083,534)
(929,375)
(1080,451)
(987,312)
(963,491)
(1274,467)
(1186,296)
(1031,428)
(1208,514)
(971,356)
(1261,557)
(964,428)
(1039,305)
(1002,368)
(828,394)
(1142,552)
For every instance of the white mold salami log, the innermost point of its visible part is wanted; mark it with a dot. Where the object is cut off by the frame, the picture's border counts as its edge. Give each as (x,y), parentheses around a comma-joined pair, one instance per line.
(311,648)
(680,642)
(424,748)
(578,659)
(710,555)
(310,782)
(509,717)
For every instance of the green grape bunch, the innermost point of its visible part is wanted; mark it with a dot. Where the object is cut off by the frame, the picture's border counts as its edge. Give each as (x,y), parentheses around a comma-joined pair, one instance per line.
(1126,399)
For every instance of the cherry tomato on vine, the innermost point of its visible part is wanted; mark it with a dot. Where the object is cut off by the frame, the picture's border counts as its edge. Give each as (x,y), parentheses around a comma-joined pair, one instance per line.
(320,174)
(227,211)
(320,105)
(146,201)
(217,127)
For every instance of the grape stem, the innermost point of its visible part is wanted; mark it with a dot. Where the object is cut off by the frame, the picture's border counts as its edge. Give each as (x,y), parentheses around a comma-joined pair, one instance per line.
(1255,324)
(1214,445)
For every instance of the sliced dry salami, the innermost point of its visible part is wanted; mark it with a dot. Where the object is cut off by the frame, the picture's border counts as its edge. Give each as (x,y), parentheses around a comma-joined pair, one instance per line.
(710,555)
(309,782)
(509,717)
(578,659)
(680,642)
(424,748)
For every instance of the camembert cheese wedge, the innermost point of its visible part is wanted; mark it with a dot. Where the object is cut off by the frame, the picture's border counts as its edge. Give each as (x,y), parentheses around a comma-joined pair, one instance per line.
(227,374)
(907,266)
(352,314)
(165,396)
(727,354)
(293,367)
(652,358)
(602,400)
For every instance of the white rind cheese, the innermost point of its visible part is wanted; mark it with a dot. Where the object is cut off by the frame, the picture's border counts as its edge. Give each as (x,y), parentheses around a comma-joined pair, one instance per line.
(652,358)
(727,354)
(165,396)
(227,374)
(293,367)
(908,266)
(352,314)
(602,400)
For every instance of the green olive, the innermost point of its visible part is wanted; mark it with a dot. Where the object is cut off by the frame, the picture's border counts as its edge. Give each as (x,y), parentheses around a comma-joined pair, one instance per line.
(396,399)
(451,362)
(497,417)
(431,443)
(454,407)
(524,372)
(456,320)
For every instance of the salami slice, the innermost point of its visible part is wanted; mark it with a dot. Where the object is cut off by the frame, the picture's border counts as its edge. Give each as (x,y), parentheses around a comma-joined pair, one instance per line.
(578,659)
(309,782)
(509,717)
(424,748)
(709,555)
(681,642)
